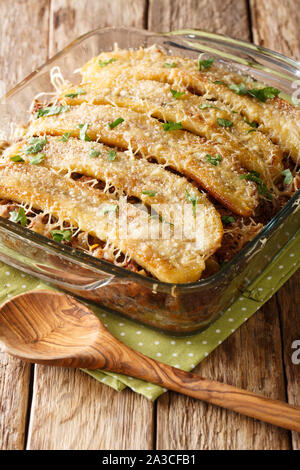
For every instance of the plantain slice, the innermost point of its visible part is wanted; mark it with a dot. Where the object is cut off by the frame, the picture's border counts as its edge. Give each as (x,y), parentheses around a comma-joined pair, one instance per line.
(169,259)
(181,150)
(277,118)
(254,150)
(164,191)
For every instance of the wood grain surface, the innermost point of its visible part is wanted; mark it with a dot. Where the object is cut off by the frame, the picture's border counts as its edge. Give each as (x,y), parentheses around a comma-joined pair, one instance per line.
(257,356)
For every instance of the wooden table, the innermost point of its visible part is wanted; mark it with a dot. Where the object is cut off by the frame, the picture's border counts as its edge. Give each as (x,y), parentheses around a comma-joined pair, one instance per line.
(48,408)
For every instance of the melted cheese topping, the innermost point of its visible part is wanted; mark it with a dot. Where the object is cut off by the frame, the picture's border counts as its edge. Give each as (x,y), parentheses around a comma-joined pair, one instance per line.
(277,118)
(165,192)
(170,260)
(254,150)
(181,150)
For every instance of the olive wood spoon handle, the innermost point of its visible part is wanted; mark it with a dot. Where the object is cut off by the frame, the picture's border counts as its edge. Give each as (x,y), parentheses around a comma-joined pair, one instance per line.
(55,329)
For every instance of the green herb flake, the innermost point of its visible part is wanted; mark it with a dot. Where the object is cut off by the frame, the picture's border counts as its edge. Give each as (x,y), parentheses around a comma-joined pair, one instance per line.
(172,126)
(111,156)
(214,160)
(149,193)
(16,158)
(94,153)
(83,132)
(208,106)
(263,94)
(250,130)
(104,63)
(37,159)
(261,187)
(36,144)
(115,123)
(252,176)
(238,88)
(224,122)
(65,137)
(177,94)
(288,177)
(161,219)
(219,82)
(193,200)
(253,124)
(18,216)
(205,64)
(170,65)
(80,91)
(61,235)
(228,219)
(51,111)
(110,208)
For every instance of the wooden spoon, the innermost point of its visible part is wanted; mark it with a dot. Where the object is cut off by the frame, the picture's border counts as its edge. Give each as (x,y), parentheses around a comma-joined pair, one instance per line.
(55,329)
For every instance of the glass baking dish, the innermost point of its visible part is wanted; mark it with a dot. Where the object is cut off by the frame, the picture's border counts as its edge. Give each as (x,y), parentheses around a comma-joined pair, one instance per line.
(181,308)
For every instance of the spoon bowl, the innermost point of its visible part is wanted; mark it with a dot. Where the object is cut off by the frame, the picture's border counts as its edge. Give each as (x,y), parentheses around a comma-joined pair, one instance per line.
(55,329)
(41,326)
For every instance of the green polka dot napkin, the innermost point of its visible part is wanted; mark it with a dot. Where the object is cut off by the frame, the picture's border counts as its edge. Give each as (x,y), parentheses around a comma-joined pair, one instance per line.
(184,353)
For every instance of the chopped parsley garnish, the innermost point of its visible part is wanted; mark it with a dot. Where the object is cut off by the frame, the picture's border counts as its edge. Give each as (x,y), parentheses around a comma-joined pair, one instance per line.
(288,177)
(61,235)
(250,130)
(18,216)
(36,144)
(149,193)
(104,63)
(111,156)
(193,200)
(16,158)
(219,82)
(252,176)
(206,106)
(83,132)
(161,219)
(228,219)
(51,111)
(115,123)
(37,159)
(263,94)
(205,64)
(253,124)
(261,187)
(94,153)
(238,88)
(65,137)
(110,208)
(214,160)
(224,122)
(172,126)
(176,94)
(80,91)
(171,65)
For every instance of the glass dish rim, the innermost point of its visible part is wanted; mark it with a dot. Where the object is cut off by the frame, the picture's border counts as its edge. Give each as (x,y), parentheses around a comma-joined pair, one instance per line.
(103,266)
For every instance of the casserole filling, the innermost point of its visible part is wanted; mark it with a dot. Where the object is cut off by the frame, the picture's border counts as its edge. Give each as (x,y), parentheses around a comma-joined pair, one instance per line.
(159,164)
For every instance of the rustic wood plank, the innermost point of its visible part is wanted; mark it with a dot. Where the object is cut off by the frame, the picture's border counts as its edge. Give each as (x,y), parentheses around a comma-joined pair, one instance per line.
(289,301)
(250,359)
(14,387)
(276,25)
(17,45)
(71,18)
(70,410)
(184,423)
(23,38)
(73,411)
(222,16)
